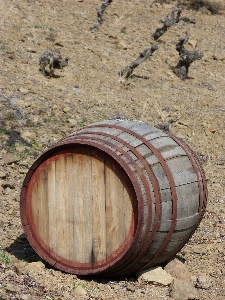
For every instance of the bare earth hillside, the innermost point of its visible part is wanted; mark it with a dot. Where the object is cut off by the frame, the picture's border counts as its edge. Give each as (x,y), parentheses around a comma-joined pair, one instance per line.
(36,111)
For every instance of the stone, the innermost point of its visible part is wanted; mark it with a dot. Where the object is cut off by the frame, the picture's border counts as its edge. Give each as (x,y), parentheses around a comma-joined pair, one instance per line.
(156,276)
(35,267)
(7,185)
(193,43)
(26,297)
(182,290)
(80,290)
(219,55)
(23,90)
(178,270)
(120,44)
(10,273)
(182,123)
(212,129)
(29,135)
(22,171)
(25,268)
(66,109)
(11,288)
(130,288)
(2,175)
(72,122)
(203,282)
(9,158)
(20,267)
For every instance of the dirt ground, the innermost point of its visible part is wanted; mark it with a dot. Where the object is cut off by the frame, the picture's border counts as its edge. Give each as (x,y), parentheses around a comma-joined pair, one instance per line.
(36,111)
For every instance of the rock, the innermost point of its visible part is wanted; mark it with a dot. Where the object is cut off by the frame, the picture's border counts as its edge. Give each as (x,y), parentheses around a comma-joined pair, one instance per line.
(80,291)
(155,275)
(2,175)
(7,184)
(23,90)
(26,297)
(178,270)
(212,129)
(193,43)
(182,290)
(66,109)
(10,273)
(183,123)
(10,54)
(203,282)
(24,268)
(9,158)
(35,267)
(29,135)
(220,55)
(130,288)
(120,44)
(20,267)
(22,171)
(11,288)
(72,122)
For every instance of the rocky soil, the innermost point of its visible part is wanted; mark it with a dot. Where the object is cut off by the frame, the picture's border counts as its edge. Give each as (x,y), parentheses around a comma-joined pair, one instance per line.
(36,111)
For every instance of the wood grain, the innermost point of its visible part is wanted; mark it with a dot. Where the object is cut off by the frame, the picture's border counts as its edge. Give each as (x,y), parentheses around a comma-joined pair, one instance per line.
(81,206)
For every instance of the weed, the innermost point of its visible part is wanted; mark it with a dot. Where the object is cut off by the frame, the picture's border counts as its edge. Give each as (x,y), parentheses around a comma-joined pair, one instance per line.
(81,124)
(38,26)
(48,298)
(10,116)
(3,132)
(84,286)
(5,258)
(31,151)
(67,116)
(123,30)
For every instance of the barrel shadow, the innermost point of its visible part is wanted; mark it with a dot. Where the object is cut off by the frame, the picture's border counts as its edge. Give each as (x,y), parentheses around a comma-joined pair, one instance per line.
(22,250)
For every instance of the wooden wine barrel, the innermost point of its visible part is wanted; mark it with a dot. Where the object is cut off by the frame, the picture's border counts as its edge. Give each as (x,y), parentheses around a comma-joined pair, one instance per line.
(113,198)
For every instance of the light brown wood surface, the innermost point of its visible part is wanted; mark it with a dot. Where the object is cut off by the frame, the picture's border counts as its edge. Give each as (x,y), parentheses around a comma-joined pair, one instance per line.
(81,207)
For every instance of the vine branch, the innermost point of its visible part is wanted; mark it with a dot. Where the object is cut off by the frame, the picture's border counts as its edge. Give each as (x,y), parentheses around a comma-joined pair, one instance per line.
(100,12)
(145,54)
(168,22)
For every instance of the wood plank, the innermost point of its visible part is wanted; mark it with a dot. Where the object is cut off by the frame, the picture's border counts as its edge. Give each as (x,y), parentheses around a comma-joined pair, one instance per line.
(43,206)
(83,208)
(128,211)
(61,198)
(115,227)
(53,212)
(98,207)
(35,206)
(69,205)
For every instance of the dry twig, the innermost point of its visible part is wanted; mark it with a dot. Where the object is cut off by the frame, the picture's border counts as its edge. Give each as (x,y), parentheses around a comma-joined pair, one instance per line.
(168,22)
(145,54)
(186,58)
(100,12)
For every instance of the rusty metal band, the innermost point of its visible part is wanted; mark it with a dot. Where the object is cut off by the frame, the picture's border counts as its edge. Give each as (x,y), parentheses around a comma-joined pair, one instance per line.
(145,240)
(62,262)
(195,161)
(170,179)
